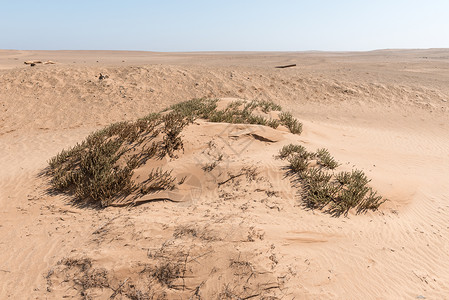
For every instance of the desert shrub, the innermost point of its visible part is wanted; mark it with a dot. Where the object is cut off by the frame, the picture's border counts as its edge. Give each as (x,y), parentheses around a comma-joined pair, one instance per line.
(91,173)
(267,106)
(264,105)
(273,123)
(289,150)
(354,192)
(234,114)
(291,123)
(340,193)
(318,191)
(158,180)
(325,159)
(237,112)
(298,164)
(174,123)
(100,169)
(196,108)
(151,117)
(336,193)
(371,201)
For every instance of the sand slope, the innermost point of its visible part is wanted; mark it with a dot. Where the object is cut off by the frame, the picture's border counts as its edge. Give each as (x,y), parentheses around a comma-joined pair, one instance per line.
(384,112)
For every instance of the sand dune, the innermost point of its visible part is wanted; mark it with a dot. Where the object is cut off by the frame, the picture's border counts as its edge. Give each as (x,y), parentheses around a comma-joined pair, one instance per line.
(384,112)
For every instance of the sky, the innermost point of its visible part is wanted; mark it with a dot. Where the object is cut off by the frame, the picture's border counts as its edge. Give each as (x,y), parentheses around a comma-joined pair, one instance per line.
(227,25)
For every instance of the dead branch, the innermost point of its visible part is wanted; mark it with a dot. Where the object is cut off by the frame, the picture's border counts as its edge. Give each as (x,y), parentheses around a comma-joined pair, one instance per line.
(118,289)
(285,66)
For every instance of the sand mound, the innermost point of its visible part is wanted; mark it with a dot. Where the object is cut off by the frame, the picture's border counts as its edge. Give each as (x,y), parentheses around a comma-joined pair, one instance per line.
(158,156)
(196,153)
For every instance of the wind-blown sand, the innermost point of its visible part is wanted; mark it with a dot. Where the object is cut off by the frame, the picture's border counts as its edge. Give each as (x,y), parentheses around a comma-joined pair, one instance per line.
(385,112)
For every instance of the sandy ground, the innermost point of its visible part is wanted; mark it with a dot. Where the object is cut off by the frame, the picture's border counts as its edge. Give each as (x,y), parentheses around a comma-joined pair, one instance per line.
(385,112)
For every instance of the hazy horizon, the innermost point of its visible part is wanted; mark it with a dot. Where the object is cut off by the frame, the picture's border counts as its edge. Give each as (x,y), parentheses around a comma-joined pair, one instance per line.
(231,51)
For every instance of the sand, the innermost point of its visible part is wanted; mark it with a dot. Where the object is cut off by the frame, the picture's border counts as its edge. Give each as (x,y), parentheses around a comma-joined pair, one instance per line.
(384,112)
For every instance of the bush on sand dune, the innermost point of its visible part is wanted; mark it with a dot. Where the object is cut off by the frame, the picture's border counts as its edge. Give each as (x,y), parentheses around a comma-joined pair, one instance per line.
(321,189)
(100,169)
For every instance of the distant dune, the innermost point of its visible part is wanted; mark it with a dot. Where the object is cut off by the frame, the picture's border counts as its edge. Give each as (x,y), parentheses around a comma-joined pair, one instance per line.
(384,112)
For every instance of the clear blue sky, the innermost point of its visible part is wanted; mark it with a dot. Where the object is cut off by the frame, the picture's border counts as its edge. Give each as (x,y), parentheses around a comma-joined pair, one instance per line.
(227,25)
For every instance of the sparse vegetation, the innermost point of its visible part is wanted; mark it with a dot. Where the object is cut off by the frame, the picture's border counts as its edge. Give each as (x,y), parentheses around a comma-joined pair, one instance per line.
(85,277)
(100,169)
(265,106)
(158,180)
(321,189)
(236,112)
(291,123)
(290,150)
(298,164)
(195,108)
(167,272)
(209,166)
(325,159)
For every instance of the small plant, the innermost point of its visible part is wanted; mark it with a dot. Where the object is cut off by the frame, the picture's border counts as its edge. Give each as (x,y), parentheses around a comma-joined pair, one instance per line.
(340,193)
(196,108)
(158,180)
(371,202)
(209,166)
(318,191)
(167,272)
(325,159)
(237,112)
(273,123)
(100,169)
(290,150)
(174,123)
(265,106)
(291,123)
(298,164)
(337,193)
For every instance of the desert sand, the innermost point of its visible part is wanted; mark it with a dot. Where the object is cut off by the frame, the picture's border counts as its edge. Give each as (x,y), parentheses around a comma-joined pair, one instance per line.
(384,112)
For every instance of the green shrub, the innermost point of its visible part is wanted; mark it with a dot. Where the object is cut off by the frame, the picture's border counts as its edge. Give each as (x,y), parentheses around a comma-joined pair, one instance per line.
(325,159)
(318,190)
(196,108)
(100,169)
(273,123)
(174,123)
(89,170)
(291,149)
(291,123)
(237,112)
(264,105)
(298,164)
(336,193)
